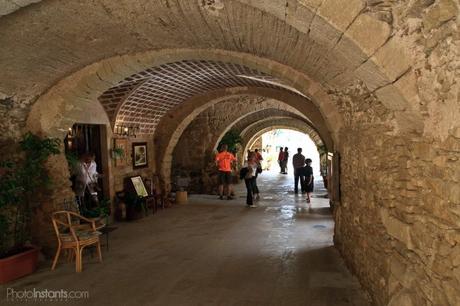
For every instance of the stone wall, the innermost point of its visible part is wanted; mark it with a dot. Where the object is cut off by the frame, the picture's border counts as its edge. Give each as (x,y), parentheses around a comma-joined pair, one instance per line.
(194,153)
(398,222)
(120,173)
(257,144)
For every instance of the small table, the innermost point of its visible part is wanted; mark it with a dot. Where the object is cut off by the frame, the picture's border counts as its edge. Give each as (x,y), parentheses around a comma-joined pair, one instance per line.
(107,230)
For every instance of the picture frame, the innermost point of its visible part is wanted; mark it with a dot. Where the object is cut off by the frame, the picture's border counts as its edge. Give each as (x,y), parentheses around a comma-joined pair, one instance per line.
(139,186)
(140,156)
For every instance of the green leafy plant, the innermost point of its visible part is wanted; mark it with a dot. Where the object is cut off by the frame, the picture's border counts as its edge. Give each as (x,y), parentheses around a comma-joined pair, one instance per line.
(231,139)
(322,149)
(118,153)
(72,160)
(20,181)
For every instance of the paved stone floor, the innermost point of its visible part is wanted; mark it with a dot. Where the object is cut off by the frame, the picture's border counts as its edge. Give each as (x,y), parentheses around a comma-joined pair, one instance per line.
(212,252)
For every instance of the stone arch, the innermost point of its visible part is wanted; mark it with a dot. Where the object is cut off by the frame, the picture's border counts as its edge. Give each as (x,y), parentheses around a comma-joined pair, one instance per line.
(171,128)
(193,156)
(197,145)
(345,54)
(261,116)
(72,93)
(251,133)
(255,117)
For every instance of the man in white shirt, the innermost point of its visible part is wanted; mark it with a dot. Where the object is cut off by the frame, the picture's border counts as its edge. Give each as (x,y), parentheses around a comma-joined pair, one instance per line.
(86,177)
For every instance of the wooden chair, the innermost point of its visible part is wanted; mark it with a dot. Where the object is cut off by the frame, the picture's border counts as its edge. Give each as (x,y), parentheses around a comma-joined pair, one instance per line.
(156,198)
(156,192)
(72,235)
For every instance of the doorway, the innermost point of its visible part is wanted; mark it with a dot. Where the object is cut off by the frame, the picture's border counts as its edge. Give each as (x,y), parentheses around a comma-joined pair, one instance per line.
(88,138)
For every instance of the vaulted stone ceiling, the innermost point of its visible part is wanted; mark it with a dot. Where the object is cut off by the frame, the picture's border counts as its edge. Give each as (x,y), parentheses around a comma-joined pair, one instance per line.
(142,99)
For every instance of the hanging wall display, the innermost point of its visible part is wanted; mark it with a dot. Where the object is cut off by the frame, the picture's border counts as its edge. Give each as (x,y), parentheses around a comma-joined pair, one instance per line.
(119,152)
(140,157)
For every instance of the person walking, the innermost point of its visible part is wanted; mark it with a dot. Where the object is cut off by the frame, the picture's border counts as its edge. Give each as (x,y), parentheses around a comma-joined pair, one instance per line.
(281,160)
(250,178)
(285,160)
(298,163)
(224,162)
(308,170)
(258,159)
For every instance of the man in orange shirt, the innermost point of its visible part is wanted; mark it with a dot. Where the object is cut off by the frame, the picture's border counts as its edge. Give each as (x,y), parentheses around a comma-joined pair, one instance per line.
(224,162)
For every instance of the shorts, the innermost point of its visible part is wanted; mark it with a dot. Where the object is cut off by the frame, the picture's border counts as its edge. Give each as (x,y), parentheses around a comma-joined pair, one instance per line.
(225,177)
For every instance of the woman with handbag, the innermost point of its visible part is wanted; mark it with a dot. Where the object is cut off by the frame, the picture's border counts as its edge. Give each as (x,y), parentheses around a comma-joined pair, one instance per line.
(250,172)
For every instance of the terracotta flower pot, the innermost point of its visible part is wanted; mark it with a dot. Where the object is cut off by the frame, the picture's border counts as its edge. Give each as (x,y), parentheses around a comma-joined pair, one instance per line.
(19,265)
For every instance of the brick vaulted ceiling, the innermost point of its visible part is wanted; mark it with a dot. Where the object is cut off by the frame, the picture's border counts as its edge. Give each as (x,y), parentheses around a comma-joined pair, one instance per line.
(143,98)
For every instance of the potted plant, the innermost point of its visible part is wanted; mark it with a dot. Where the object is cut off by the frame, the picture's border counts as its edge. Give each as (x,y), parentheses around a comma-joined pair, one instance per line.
(232,139)
(20,182)
(118,153)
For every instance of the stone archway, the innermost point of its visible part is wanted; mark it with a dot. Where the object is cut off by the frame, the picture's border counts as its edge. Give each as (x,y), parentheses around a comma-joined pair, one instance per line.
(86,85)
(170,130)
(345,54)
(194,152)
(252,132)
(380,73)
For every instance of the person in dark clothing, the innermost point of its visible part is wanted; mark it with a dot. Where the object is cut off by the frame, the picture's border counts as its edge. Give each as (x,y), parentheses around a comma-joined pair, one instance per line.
(285,160)
(298,163)
(281,160)
(308,171)
(258,159)
(250,179)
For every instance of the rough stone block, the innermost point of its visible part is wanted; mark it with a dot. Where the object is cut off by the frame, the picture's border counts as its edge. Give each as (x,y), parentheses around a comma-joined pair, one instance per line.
(455,132)
(7,7)
(324,34)
(348,51)
(340,13)
(23,3)
(369,33)
(439,13)
(408,122)
(391,98)
(371,75)
(404,297)
(407,87)
(313,4)
(342,80)
(393,58)
(396,228)
(299,16)
(274,7)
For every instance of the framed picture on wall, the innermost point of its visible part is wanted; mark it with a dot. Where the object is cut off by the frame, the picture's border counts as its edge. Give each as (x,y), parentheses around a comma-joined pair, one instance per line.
(139,186)
(140,157)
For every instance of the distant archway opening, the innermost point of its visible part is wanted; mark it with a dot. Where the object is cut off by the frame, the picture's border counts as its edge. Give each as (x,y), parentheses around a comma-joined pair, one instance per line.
(272,140)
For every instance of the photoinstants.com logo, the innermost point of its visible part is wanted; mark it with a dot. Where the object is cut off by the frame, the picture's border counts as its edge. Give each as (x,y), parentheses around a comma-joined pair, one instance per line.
(41,295)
